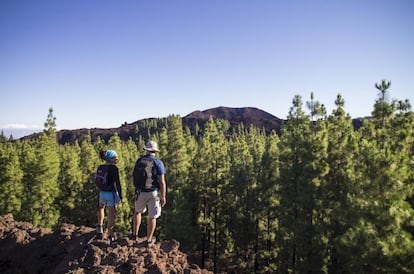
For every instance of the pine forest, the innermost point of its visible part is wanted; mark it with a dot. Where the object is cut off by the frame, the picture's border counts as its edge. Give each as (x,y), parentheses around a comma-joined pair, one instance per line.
(321,197)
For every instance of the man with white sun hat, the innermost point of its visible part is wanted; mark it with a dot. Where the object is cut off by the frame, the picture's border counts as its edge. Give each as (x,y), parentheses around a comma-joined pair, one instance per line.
(150,189)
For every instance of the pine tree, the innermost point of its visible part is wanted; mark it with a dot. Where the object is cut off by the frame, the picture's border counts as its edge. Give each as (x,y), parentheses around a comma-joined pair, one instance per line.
(3,139)
(381,197)
(336,208)
(256,139)
(50,124)
(240,198)
(70,183)
(190,194)
(211,176)
(27,159)
(317,168)
(162,139)
(303,153)
(382,108)
(45,188)
(268,201)
(11,185)
(177,212)
(87,204)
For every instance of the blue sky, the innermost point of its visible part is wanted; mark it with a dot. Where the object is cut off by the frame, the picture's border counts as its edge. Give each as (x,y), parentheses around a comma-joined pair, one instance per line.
(102,63)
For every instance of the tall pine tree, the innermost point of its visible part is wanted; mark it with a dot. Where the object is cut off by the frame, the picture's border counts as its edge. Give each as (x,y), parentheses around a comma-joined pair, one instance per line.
(11,184)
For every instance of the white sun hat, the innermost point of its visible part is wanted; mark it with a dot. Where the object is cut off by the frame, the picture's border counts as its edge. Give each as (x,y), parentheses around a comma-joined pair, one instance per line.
(151,146)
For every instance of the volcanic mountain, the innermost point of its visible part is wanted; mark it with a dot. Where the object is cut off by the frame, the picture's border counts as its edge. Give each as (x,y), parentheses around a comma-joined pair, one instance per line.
(246,115)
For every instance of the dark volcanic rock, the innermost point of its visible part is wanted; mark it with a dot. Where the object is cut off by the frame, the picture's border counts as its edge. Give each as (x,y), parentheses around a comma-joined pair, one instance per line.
(72,249)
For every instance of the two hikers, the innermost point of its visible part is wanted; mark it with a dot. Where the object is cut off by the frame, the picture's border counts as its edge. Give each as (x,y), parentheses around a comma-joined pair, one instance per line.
(150,188)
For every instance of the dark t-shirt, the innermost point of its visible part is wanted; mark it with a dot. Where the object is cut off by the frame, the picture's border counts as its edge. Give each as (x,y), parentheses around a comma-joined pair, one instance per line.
(113,176)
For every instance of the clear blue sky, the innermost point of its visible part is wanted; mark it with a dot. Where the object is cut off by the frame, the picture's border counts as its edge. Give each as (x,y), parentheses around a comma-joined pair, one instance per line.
(102,63)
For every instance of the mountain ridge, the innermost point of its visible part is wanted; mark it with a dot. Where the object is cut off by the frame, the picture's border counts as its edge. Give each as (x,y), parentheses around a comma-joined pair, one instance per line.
(246,115)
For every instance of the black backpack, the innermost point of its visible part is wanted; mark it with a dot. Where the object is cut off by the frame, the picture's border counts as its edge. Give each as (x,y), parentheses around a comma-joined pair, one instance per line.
(144,173)
(101,178)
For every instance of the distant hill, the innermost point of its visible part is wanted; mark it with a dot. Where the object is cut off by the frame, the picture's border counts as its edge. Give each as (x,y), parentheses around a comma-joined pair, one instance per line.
(246,115)
(17,133)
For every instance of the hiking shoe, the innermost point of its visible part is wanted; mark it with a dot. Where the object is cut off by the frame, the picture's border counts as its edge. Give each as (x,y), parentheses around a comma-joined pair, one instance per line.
(111,240)
(133,237)
(99,236)
(150,243)
(99,229)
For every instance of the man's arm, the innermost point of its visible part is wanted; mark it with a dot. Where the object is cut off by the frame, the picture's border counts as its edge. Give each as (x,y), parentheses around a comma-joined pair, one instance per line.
(162,189)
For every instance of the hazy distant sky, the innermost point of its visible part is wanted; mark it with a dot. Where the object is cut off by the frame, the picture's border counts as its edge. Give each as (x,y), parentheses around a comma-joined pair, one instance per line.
(102,63)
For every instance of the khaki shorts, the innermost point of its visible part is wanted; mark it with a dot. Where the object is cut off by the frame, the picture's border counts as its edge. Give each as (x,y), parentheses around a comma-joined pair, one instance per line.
(150,201)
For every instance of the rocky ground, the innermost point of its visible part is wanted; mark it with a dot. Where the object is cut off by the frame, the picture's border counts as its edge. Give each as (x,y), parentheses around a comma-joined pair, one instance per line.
(71,249)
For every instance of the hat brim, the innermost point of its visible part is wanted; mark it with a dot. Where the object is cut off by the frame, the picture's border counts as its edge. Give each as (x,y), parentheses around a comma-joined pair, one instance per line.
(151,149)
